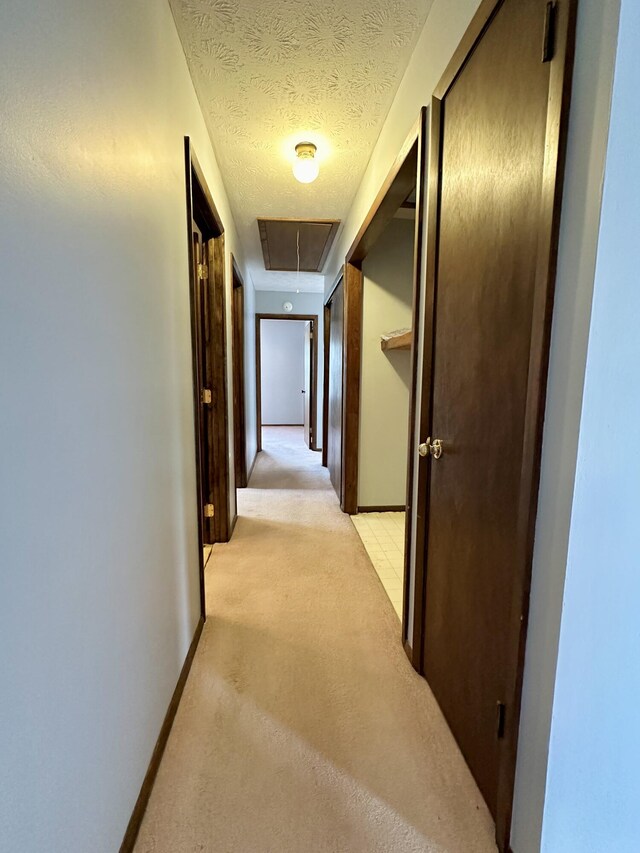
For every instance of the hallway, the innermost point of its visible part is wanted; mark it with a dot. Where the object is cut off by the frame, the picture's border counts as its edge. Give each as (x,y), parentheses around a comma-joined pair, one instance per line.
(302,726)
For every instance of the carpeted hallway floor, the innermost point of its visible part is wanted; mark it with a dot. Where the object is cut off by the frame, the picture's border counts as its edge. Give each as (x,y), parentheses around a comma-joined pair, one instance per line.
(303,728)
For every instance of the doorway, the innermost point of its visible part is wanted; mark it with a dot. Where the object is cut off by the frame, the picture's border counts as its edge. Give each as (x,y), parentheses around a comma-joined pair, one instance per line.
(287,373)
(395,192)
(385,388)
(208,334)
(376,305)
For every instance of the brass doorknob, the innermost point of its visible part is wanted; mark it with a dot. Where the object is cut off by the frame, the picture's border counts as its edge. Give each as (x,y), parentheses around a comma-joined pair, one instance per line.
(436,448)
(431,447)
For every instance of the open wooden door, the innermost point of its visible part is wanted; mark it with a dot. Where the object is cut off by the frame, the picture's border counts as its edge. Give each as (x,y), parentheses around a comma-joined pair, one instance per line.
(217,411)
(308,382)
(208,330)
(416,475)
(502,117)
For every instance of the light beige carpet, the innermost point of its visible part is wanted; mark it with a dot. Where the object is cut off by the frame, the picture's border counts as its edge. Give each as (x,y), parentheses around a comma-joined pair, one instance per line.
(302,726)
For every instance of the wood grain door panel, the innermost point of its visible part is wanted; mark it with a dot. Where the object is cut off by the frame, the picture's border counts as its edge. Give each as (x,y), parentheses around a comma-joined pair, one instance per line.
(493,128)
(202,332)
(216,372)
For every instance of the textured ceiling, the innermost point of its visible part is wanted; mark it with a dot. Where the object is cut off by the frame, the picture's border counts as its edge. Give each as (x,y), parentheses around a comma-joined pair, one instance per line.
(271,73)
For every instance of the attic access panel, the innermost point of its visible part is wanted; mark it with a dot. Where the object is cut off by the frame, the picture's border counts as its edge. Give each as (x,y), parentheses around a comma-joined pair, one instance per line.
(279,243)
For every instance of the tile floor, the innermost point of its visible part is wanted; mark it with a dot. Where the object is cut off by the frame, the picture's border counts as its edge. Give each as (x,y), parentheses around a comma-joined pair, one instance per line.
(382,534)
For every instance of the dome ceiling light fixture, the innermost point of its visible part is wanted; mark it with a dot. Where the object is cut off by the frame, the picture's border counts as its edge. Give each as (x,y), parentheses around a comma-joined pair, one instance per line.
(305,166)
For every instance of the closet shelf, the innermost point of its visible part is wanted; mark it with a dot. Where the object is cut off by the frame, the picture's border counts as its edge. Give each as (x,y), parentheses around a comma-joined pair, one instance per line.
(397,340)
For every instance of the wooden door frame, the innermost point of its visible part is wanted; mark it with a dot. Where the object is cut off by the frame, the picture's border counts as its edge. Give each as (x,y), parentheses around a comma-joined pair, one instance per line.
(201,207)
(395,189)
(423,255)
(237,359)
(561,67)
(313,318)
(326,326)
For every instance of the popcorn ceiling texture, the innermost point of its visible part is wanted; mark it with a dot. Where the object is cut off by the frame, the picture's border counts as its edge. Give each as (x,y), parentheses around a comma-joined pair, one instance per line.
(270,73)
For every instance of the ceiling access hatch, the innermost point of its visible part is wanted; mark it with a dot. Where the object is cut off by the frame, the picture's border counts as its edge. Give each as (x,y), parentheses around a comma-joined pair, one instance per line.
(284,240)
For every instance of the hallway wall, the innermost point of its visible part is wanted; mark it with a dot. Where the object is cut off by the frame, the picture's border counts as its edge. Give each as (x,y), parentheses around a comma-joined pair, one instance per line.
(270,302)
(595,54)
(587,144)
(99,582)
(593,776)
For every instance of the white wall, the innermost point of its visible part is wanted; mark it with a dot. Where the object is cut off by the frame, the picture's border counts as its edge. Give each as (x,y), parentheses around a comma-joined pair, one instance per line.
(282,371)
(386,376)
(271,301)
(99,578)
(593,787)
(588,133)
(595,51)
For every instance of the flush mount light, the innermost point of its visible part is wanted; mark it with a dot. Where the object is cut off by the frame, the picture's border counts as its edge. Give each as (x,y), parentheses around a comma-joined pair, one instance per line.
(305,166)
(288,307)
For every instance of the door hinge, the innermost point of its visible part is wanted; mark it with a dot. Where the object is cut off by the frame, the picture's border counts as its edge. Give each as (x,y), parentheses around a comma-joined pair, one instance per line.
(208,511)
(548,36)
(501,716)
(206,396)
(203,272)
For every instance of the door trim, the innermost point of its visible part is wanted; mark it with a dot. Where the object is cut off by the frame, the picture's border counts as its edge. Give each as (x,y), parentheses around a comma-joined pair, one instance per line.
(237,360)
(351,376)
(191,168)
(326,327)
(334,286)
(396,187)
(424,254)
(313,406)
(326,364)
(561,67)
(217,285)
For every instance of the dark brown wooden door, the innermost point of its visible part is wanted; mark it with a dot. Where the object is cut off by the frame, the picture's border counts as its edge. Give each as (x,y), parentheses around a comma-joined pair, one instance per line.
(216,411)
(202,337)
(208,324)
(493,127)
(333,438)
(208,276)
